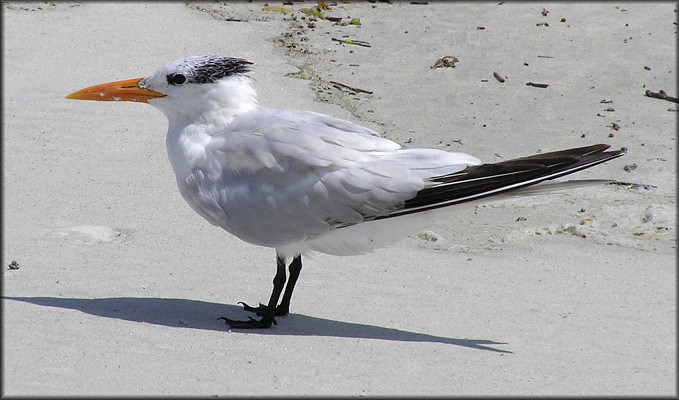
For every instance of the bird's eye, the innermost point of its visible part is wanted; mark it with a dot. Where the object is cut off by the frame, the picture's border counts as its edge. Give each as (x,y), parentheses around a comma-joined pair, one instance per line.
(176,79)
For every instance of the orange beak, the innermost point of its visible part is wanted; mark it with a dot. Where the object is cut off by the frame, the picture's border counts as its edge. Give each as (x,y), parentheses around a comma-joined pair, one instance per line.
(127,90)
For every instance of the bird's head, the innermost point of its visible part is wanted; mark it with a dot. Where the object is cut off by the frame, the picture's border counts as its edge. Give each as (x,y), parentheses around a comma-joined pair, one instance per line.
(187,88)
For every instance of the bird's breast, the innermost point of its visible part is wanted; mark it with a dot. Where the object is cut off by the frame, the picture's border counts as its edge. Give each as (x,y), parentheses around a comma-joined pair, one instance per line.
(213,177)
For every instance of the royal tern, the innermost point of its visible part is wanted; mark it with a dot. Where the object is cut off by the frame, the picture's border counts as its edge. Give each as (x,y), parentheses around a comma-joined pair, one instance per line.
(299,181)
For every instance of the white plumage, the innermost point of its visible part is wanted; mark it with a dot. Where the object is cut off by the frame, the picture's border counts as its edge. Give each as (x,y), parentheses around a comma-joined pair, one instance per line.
(285,178)
(298,180)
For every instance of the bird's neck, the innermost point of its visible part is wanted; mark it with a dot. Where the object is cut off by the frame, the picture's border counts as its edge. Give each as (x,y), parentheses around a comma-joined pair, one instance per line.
(217,104)
(206,113)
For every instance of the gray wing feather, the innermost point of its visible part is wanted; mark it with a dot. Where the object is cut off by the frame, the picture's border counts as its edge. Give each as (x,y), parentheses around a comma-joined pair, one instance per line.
(295,175)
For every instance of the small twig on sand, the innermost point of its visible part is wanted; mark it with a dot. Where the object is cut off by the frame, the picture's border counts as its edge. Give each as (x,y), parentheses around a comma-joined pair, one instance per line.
(498,77)
(352,41)
(540,85)
(662,95)
(351,88)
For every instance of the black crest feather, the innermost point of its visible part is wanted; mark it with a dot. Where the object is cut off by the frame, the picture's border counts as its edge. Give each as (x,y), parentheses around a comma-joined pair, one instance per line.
(209,69)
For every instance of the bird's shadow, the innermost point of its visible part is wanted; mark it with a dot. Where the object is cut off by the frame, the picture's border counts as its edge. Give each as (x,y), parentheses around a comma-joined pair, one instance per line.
(195,314)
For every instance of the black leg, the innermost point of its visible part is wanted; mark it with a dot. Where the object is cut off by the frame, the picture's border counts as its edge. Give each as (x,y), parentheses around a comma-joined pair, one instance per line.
(295,268)
(269,311)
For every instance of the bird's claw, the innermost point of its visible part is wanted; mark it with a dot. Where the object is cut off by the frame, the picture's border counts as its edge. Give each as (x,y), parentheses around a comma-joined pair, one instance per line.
(268,317)
(260,311)
(280,311)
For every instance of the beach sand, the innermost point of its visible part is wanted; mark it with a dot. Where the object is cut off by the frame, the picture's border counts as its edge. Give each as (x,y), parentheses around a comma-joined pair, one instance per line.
(120,283)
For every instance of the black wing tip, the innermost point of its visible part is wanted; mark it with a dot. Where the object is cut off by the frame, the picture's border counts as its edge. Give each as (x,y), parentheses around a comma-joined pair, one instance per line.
(612,153)
(577,152)
(485,180)
(602,147)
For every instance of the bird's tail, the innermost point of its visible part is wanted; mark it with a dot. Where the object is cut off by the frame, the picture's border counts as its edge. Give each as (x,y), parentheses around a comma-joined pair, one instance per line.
(479,181)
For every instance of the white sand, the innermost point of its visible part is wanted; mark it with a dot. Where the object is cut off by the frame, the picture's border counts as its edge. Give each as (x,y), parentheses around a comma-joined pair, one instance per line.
(120,283)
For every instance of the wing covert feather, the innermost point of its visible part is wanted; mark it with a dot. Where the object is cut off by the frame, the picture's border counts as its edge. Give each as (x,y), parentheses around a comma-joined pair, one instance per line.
(299,174)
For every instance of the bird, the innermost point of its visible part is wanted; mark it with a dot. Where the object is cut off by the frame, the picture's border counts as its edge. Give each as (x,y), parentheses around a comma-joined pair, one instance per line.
(299,181)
